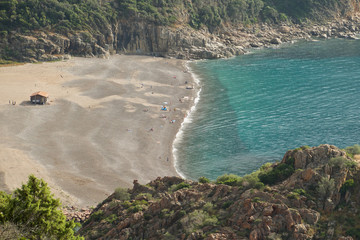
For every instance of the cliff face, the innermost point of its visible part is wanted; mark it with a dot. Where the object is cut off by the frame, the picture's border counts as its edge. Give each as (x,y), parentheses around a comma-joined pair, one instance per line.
(128,37)
(319,200)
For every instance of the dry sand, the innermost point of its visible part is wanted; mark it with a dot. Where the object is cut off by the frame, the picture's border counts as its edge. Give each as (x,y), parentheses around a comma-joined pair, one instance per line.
(101,129)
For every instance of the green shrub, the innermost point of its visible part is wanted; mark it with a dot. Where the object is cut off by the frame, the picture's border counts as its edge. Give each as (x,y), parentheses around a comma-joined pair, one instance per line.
(209,208)
(114,203)
(165,213)
(341,162)
(252,181)
(147,196)
(121,194)
(326,187)
(293,195)
(96,216)
(111,218)
(198,219)
(227,204)
(229,179)
(179,186)
(353,150)
(204,180)
(265,167)
(135,208)
(302,148)
(181,213)
(126,204)
(35,212)
(348,185)
(300,191)
(278,173)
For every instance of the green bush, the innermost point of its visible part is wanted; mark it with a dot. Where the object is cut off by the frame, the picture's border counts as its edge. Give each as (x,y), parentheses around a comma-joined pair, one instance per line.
(326,187)
(179,186)
(353,150)
(135,208)
(227,204)
(209,208)
(278,173)
(126,204)
(204,180)
(341,162)
(121,194)
(293,195)
(111,218)
(147,196)
(229,179)
(198,219)
(96,216)
(165,213)
(252,181)
(348,185)
(35,212)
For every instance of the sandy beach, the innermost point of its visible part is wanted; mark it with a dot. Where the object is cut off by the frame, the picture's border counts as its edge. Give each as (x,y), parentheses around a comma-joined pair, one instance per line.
(102,128)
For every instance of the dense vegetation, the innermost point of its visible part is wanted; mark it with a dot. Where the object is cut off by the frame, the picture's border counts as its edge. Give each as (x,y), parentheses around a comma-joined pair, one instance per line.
(32,212)
(54,15)
(93,15)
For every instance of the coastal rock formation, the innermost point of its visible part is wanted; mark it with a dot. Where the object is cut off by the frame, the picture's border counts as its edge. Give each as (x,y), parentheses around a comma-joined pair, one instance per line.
(311,203)
(128,37)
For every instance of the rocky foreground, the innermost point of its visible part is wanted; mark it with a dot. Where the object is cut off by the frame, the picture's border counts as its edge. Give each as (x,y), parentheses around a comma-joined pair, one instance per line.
(180,42)
(312,194)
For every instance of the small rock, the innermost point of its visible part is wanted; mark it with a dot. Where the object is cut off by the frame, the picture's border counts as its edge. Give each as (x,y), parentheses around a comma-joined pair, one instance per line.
(275,41)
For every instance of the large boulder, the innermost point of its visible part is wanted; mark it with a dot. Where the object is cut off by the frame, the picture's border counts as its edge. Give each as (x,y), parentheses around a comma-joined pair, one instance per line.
(313,157)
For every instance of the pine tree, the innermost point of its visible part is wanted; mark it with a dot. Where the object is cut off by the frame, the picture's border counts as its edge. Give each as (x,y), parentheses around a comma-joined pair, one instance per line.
(35,211)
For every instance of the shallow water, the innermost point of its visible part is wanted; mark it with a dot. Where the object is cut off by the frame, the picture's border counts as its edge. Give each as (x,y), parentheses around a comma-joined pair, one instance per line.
(253,108)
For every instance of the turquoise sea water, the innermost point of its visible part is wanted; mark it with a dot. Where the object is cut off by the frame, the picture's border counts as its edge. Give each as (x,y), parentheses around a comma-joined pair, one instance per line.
(254,108)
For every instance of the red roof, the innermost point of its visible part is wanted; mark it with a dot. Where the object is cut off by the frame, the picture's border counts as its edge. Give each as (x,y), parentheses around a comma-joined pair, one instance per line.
(41,93)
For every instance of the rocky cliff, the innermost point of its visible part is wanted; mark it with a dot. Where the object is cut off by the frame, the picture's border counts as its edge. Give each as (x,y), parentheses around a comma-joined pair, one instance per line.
(182,41)
(317,198)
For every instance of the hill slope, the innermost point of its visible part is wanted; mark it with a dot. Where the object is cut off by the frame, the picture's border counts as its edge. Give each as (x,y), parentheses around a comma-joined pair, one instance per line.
(42,30)
(312,194)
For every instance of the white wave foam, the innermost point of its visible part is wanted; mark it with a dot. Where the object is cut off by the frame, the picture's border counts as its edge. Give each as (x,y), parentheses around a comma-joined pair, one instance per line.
(187,120)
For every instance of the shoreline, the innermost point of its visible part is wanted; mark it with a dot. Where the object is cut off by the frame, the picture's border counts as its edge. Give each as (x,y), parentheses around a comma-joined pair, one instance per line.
(187,120)
(103,127)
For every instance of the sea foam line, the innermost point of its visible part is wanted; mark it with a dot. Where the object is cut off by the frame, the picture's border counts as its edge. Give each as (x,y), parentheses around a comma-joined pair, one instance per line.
(187,120)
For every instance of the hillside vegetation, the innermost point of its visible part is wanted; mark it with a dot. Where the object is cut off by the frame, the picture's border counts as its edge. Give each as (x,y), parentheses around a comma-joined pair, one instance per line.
(91,15)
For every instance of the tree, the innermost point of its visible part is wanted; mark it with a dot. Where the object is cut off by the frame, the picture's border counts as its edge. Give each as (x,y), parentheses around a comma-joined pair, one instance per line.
(35,211)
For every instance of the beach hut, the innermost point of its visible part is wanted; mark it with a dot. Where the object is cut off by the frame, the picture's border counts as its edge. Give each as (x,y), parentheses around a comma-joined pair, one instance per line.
(39,97)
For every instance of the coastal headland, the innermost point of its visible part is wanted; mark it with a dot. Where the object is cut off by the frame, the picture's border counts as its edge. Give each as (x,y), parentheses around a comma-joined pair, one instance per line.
(103,125)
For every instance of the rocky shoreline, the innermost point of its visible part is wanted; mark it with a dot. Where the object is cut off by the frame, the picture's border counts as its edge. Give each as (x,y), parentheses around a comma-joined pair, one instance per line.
(181,42)
(319,200)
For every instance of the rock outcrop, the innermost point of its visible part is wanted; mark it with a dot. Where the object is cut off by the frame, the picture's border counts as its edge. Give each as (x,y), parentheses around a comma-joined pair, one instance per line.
(182,41)
(306,205)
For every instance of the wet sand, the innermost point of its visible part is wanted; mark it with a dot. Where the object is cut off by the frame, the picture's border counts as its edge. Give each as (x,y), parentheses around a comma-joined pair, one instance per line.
(102,128)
